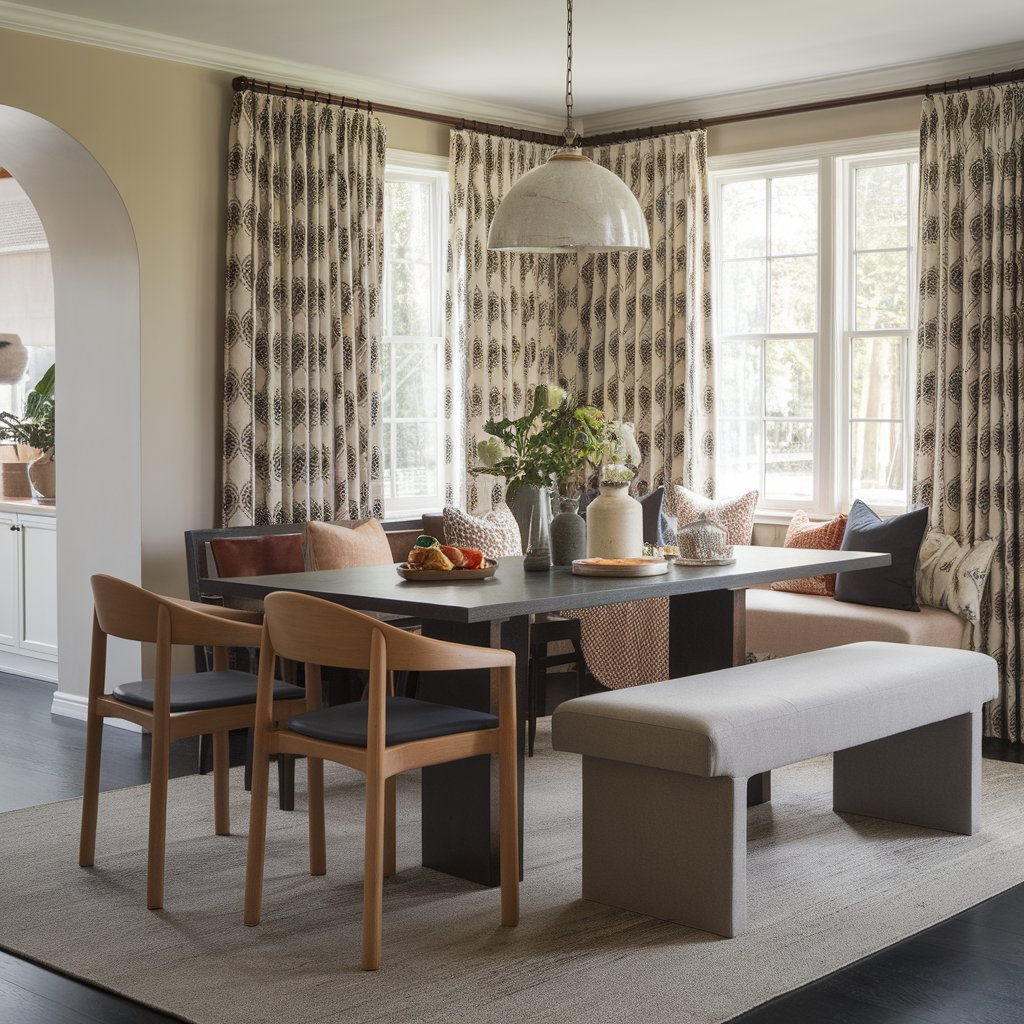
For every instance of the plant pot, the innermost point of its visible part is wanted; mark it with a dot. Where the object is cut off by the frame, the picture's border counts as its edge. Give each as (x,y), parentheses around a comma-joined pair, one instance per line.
(42,474)
(531,507)
(15,480)
(615,524)
(568,534)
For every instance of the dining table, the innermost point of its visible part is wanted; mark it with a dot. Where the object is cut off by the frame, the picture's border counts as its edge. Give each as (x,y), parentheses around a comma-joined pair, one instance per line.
(459,799)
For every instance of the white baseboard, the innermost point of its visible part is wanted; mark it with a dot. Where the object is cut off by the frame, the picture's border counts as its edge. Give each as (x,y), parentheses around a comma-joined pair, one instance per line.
(73,705)
(30,666)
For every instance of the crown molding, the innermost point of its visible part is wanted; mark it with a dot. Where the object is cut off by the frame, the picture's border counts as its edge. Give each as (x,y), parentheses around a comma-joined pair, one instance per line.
(72,28)
(901,76)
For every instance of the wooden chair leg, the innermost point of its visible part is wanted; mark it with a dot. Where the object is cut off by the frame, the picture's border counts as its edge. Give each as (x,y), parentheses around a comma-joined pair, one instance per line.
(257,831)
(91,797)
(221,783)
(508,795)
(373,869)
(286,781)
(390,800)
(317,829)
(159,758)
(248,759)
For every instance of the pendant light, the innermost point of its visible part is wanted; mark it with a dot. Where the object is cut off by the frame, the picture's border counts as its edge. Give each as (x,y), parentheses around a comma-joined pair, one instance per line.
(569,203)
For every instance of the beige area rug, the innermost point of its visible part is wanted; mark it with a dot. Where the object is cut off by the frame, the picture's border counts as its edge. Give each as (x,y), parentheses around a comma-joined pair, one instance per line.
(824,891)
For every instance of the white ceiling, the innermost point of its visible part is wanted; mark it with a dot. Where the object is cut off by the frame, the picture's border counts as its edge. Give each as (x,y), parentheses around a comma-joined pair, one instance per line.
(629,53)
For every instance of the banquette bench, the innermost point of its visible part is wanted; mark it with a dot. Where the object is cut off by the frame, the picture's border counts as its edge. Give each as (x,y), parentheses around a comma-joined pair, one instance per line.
(665,766)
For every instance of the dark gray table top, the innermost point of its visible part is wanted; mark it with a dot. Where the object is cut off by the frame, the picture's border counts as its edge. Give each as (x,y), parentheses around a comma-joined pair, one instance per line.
(512,591)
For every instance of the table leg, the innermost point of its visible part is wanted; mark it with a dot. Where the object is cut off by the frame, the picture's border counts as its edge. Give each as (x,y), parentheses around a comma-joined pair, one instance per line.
(708,631)
(460,799)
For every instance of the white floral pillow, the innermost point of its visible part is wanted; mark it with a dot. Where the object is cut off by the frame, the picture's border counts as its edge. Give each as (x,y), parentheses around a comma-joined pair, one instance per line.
(496,533)
(952,575)
(734,515)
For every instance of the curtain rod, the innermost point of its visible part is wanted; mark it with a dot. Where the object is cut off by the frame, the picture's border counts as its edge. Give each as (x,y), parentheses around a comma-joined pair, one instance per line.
(274,89)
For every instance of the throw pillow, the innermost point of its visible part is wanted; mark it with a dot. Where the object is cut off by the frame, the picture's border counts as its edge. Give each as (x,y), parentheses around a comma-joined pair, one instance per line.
(734,515)
(329,546)
(802,533)
(954,576)
(258,556)
(495,533)
(892,586)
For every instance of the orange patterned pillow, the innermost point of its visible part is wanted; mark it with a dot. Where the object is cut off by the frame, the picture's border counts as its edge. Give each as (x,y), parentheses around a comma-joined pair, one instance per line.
(802,533)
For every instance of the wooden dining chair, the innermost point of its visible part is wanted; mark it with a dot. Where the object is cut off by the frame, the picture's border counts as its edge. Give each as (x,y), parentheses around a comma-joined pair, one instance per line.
(380,736)
(171,707)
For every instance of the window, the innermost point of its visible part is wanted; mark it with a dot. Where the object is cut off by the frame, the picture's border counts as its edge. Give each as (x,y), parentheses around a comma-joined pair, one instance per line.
(814,267)
(412,384)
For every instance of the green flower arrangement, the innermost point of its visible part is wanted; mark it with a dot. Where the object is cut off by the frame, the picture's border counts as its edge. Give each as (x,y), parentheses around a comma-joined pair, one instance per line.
(554,441)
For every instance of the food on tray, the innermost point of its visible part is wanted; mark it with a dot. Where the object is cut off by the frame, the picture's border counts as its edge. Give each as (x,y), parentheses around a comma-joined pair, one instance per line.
(429,553)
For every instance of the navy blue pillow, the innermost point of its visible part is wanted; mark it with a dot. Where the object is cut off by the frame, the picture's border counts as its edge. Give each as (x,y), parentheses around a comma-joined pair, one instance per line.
(892,586)
(650,502)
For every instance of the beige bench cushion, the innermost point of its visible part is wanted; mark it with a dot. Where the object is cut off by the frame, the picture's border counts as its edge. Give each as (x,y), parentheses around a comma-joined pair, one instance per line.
(783,624)
(738,722)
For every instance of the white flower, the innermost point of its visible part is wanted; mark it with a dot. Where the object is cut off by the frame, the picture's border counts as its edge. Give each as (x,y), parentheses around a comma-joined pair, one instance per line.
(490,452)
(623,446)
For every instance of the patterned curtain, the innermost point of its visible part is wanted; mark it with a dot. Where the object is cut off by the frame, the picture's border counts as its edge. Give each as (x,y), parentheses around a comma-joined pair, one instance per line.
(302,430)
(630,331)
(645,317)
(969,463)
(499,313)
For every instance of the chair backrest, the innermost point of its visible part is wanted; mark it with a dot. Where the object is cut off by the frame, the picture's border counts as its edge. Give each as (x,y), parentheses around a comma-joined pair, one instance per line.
(133,613)
(310,629)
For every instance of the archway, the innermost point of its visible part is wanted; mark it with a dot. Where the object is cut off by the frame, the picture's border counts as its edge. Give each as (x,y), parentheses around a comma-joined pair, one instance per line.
(96,311)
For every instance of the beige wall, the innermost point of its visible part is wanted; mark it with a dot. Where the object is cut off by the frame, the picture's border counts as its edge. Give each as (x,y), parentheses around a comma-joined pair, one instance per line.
(856,122)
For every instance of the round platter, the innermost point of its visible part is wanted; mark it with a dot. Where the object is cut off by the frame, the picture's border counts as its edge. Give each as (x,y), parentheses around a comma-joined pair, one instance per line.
(704,562)
(414,575)
(622,567)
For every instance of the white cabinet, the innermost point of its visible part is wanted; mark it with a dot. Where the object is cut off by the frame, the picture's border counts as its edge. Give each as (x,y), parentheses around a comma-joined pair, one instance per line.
(28,593)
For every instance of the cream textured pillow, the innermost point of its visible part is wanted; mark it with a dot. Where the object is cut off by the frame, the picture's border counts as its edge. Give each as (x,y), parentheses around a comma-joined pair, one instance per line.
(329,546)
(734,515)
(952,575)
(496,533)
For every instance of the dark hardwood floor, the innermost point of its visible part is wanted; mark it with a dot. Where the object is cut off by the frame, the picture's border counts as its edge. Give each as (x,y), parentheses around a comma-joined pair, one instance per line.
(967,970)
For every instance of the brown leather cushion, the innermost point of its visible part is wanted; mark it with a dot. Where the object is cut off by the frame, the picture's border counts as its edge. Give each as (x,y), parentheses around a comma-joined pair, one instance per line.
(433,524)
(258,556)
(329,546)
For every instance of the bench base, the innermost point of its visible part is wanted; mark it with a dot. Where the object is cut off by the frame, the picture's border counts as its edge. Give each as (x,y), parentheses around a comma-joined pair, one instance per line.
(674,846)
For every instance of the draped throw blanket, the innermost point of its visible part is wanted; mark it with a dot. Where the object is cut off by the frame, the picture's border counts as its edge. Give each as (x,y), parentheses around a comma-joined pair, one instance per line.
(969,464)
(302,430)
(630,331)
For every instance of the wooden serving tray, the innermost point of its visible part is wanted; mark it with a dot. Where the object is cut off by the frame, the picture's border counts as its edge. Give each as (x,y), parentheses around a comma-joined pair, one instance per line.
(621,567)
(415,575)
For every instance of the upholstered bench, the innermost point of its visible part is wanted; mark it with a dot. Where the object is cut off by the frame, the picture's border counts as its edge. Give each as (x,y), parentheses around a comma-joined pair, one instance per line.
(665,766)
(780,624)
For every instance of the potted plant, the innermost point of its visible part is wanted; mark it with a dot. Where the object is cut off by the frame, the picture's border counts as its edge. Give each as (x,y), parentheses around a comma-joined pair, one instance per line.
(36,429)
(554,441)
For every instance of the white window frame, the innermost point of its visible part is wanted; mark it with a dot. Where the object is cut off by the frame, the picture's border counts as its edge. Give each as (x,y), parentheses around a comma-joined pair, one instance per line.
(834,163)
(401,165)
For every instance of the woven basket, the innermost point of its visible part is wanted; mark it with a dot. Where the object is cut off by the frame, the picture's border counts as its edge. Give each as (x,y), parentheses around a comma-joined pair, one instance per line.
(15,480)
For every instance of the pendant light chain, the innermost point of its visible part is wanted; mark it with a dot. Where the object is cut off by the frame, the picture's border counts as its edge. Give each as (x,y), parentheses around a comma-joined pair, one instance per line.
(569,135)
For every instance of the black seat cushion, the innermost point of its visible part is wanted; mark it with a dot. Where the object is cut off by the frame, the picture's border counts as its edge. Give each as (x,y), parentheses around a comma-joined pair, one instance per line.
(202,690)
(405,720)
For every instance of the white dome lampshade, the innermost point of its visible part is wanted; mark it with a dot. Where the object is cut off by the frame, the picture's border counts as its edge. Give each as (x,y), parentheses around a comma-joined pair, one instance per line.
(13,359)
(567,204)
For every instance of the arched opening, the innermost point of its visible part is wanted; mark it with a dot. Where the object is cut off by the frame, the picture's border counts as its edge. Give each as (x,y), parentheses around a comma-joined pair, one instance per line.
(96,317)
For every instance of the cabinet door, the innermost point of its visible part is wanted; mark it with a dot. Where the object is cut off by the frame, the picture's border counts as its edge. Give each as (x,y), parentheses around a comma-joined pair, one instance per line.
(10,579)
(39,593)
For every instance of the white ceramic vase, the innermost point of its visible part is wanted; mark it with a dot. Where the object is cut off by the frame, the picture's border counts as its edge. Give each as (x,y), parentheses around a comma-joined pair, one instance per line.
(615,524)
